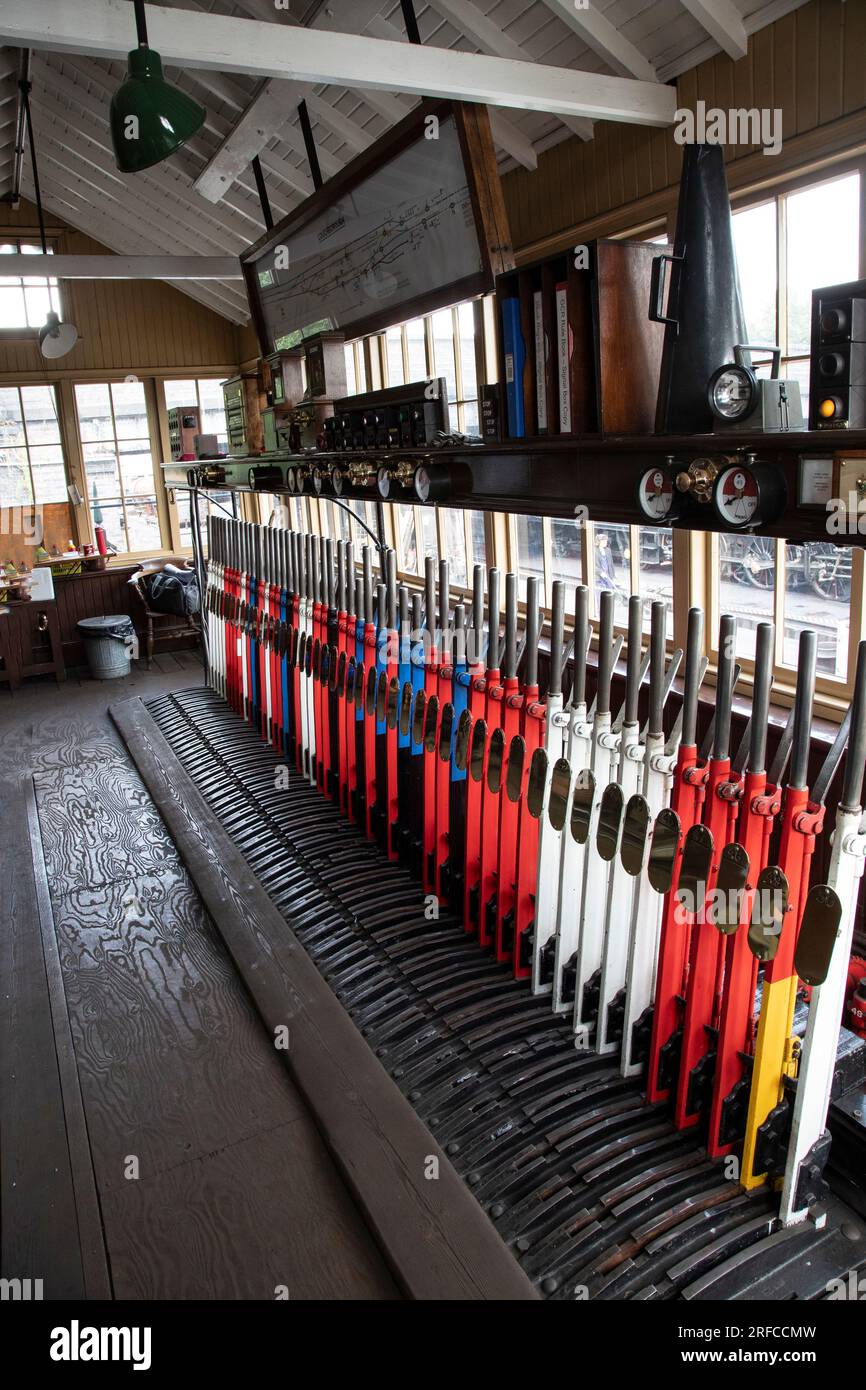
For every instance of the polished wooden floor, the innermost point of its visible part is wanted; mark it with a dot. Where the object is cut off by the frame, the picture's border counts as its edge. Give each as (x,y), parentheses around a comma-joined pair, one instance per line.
(152,1144)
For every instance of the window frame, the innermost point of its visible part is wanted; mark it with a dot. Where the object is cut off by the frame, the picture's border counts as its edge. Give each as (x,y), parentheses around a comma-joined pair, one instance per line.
(52,386)
(23,333)
(166,509)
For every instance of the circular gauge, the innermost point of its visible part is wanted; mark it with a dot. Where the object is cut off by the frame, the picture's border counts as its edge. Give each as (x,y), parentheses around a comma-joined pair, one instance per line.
(318,481)
(737,497)
(732,393)
(337,481)
(383,481)
(421,483)
(656,494)
(291,480)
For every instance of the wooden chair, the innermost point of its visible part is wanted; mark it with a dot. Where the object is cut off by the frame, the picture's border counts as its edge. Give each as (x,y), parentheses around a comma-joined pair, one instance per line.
(170,624)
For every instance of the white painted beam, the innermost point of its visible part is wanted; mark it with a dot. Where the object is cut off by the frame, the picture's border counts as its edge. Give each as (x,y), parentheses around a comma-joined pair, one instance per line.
(123,267)
(60,201)
(618,52)
(509,137)
(64,166)
(472,22)
(104,29)
(265,116)
(723,23)
(506,134)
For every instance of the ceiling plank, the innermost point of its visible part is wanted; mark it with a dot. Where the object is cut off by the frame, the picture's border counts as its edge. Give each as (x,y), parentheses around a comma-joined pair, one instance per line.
(345,129)
(102,28)
(723,23)
(604,39)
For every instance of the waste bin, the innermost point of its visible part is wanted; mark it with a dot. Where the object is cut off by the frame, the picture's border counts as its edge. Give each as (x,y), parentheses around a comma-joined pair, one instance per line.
(110,644)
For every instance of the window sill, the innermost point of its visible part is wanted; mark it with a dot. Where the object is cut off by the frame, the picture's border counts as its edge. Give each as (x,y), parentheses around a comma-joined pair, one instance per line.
(19,335)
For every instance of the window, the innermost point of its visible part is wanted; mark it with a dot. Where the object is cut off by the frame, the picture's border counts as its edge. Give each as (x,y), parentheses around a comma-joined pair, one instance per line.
(118,463)
(440,345)
(456,535)
(31,454)
(758,579)
(207,394)
(356,371)
(25,301)
(786,247)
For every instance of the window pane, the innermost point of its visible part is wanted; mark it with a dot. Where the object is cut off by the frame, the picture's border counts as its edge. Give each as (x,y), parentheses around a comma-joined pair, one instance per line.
(94,412)
(530,552)
(416,349)
(14,477)
(13,313)
(479,539)
(339,523)
(613,569)
(179,393)
(100,464)
(755,244)
(407,546)
(823,233)
(443,350)
(429,536)
(143,525)
(566,546)
(471,424)
(455,546)
(40,415)
(818,595)
(351,385)
(747,577)
(130,412)
(394,353)
(11,423)
(466,322)
(361,382)
(111,517)
(49,475)
(656,573)
(136,469)
(38,301)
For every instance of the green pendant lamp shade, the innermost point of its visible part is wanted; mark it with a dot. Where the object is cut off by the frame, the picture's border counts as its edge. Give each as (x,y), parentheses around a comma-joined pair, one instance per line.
(150,119)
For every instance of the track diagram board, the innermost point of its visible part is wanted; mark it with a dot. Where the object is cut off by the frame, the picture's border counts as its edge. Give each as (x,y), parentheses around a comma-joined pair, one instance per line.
(397,237)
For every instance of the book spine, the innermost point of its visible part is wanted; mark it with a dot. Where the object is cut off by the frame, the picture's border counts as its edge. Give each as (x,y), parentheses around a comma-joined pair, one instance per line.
(515,359)
(540,361)
(563,358)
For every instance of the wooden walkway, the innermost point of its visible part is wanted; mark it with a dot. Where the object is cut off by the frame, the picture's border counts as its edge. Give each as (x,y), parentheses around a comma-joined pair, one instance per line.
(152,1143)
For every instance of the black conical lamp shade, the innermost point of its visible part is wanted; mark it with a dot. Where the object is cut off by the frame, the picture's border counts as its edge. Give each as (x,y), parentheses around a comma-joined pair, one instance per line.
(150,118)
(705,319)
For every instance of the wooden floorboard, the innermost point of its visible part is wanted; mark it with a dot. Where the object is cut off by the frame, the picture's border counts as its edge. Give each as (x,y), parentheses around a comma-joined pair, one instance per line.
(439,1242)
(212,1179)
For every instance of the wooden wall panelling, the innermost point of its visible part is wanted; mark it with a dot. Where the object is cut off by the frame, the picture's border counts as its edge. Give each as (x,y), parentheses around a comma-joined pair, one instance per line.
(854,59)
(809,64)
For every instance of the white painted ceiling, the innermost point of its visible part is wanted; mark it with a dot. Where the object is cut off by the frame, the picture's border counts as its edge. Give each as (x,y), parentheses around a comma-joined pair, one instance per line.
(161,211)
